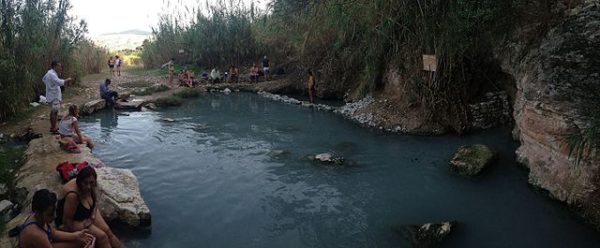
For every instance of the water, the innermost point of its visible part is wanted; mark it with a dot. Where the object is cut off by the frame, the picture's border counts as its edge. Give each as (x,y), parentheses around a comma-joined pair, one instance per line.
(230,173)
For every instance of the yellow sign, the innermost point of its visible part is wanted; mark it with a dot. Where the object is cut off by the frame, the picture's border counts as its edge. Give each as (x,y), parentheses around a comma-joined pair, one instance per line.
(429,62)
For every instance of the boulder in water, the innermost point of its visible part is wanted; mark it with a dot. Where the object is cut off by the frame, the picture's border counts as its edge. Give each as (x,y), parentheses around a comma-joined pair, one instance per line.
(120,197)
(327,158)
(89,108)
(278,153)
(472,159)
(227,91)
(429,234)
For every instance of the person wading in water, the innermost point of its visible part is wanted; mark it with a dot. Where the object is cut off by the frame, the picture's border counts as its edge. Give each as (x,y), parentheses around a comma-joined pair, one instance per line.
(310,84)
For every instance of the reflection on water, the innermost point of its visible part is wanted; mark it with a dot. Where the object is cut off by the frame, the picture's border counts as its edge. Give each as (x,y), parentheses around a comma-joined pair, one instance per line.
(231,172)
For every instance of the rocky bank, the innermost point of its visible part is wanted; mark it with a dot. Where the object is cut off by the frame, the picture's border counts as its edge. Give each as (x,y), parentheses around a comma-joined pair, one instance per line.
(557,79)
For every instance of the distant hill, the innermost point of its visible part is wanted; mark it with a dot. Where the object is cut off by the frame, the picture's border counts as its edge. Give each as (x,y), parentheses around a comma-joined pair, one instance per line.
(131,31)
(129,39)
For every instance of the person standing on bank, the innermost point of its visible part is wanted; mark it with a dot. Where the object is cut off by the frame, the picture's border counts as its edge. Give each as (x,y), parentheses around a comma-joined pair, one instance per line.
(111,65)
(53,92)
(118,63)
(171,67)
(266,68)
(310,84)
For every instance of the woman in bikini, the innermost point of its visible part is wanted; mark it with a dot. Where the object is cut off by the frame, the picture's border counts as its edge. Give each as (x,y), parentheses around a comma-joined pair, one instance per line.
(69,127)
(310,84)
(171,67)
(36,231)
(77,209)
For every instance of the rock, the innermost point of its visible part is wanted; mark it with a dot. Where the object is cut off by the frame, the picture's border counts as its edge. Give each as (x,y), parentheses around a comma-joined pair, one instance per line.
(327,158)
(5,208)
(34,104)
(124,96)
(429,234)
(130,105)
(39,171)
(278,153)
(151,106)
(227,91)
(556,77)
(3,189)
(471,160)
(91,107)
(121,198)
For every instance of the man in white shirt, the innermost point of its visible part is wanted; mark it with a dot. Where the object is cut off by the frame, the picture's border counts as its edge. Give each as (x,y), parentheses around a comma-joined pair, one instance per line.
(215,75)
(53,92)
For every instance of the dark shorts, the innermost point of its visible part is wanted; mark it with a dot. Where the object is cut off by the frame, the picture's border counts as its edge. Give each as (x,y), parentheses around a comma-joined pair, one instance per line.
(111,66)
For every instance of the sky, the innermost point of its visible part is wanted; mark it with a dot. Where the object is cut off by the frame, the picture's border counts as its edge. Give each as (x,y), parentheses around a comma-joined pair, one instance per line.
(111,16)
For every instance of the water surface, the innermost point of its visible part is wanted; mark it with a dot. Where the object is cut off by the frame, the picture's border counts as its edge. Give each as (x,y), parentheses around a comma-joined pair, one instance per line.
(230,172)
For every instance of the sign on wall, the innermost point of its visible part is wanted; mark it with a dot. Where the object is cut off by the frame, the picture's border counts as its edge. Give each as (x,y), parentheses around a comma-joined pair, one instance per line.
(429,62)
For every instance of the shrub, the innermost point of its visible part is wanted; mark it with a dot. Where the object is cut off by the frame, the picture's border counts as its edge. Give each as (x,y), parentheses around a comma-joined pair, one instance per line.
(168,101)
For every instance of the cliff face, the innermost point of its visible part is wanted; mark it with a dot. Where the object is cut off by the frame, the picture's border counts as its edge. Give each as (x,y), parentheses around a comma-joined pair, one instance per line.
(558,76)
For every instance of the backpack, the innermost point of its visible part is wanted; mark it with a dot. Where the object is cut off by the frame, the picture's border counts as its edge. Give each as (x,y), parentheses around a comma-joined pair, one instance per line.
(68,171)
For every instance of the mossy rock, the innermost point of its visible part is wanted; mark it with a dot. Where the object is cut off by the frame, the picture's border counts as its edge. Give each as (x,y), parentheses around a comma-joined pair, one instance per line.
(470,160)
(428,234)
(168,101)
(188,93)
(150,90)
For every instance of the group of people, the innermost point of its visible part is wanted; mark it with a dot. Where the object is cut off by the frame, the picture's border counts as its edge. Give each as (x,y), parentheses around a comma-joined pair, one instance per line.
(68,126)
(187,78)
(114,64)
(76,216)
(232,75)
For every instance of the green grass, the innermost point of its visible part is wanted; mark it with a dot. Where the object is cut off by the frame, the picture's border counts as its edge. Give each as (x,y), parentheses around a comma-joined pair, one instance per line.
(169,101)
(24,114)
(141,71)
(11,159)
(188,93)
(136,84)
(150,90)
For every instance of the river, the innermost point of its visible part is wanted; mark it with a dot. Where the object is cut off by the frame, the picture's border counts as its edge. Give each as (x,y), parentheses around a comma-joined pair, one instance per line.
(231,172)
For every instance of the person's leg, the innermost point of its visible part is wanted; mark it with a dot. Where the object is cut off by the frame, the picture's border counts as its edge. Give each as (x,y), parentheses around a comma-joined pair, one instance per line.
(54,116)
(100,223)
(310,94)
(102,239)
(88,141)
(65,244)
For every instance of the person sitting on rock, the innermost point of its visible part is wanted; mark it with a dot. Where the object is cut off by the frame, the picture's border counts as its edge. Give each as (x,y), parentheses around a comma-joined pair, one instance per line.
(37,230)
(108,95)
(185,78)
(234,73)
(78,209)
(215,75)
(69,128)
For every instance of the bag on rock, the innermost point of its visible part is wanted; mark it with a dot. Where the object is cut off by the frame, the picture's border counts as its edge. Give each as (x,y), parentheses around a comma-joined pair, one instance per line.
(68,171)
